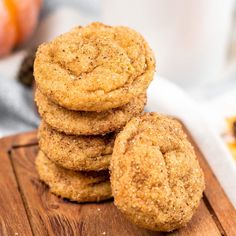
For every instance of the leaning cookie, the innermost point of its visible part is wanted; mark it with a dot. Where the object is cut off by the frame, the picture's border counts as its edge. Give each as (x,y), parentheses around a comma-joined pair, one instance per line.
(156,179)
(87,123)
(76,152)
(94,68)
(73,185)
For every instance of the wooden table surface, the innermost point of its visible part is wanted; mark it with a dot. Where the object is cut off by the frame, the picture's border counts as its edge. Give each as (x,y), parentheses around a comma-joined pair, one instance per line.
(28,208)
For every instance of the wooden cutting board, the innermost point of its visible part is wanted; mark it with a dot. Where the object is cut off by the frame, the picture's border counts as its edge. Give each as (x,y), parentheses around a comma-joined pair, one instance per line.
(28,208)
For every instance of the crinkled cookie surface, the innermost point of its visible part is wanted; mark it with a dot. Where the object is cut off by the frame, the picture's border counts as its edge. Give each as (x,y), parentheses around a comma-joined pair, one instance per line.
(94,68)
(156,179)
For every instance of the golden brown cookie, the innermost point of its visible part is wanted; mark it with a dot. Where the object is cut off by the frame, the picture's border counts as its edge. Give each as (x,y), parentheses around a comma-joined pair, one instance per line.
(94,68)
(73,185)
(156,179)
(84,122)
(76,152)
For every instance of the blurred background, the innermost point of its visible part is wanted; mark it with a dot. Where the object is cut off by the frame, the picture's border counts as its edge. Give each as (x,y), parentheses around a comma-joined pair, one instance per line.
(194,43)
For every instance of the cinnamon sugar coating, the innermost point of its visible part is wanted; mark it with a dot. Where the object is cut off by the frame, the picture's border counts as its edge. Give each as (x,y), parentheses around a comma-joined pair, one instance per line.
(156,179)
(88,122)
(73,185)
(85,153)
(94,68)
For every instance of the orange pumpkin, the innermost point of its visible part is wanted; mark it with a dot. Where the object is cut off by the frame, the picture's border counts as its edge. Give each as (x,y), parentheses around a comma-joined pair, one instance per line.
(18,20)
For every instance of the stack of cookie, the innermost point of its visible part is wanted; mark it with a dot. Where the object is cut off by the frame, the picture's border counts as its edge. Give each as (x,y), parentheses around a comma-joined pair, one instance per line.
(90,82)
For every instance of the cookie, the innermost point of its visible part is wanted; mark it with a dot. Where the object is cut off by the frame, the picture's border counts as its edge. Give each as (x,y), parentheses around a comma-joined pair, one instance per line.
(73,185)
(87,123)
(76,152)
(94,68)
(156,179)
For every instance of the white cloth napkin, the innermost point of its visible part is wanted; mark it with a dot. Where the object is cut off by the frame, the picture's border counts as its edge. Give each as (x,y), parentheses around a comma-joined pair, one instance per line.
(163,97)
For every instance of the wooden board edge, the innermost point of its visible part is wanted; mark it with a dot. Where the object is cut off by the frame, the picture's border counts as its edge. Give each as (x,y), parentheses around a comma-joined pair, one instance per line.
(15,140)
(18,212)
(30,139)
(225,219)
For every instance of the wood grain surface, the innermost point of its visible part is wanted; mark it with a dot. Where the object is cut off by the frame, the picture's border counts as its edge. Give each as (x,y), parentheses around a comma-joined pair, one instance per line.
(28,208)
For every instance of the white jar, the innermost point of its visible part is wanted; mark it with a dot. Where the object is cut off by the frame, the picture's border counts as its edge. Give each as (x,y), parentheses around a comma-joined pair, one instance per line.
(189,37)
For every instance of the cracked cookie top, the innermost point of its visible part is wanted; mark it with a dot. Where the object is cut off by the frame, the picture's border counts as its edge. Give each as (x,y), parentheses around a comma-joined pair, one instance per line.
(156,179)
(94,68)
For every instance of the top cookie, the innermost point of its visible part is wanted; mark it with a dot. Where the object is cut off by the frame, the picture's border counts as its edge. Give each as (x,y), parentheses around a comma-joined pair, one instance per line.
(94,68)
(156,179)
